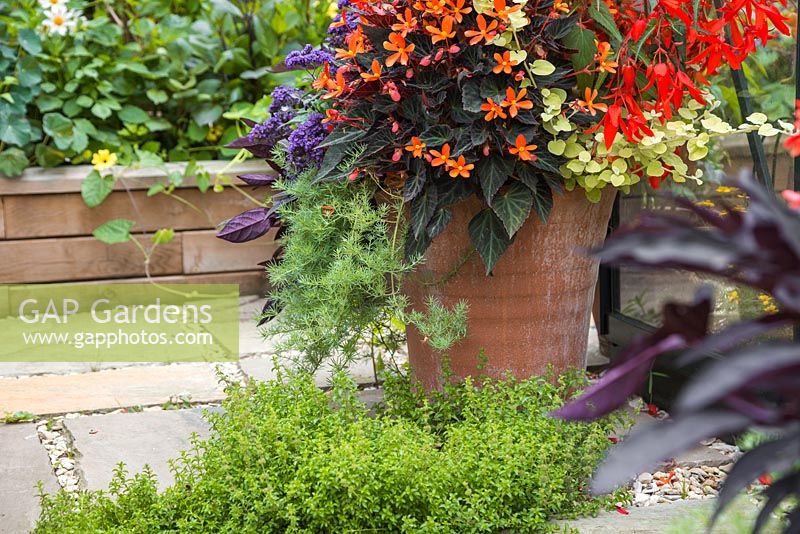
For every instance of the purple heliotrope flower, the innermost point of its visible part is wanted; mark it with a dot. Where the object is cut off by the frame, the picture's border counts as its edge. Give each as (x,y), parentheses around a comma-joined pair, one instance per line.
(268,133)
(284,98)
(303,145)
(308,58)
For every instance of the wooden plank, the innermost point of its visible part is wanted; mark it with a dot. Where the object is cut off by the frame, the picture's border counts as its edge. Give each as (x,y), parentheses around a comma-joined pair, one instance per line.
(67,215)
(203,252)
(2,219)
(253,282)
(67,179)
(81,258)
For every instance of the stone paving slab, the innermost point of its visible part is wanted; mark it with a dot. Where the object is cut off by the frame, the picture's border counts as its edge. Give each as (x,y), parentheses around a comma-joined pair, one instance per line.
(132,386)
(262,369)
(23,462)
(15,369)
(137,439)
(646,520)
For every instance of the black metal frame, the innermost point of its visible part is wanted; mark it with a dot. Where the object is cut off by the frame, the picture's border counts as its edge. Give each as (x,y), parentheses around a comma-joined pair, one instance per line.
(618,329)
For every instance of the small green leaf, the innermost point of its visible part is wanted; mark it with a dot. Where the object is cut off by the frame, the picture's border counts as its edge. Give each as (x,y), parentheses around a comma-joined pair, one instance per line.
(96,188)
(489,237)
(133,115)
(59,128)
(114,232)
(155,189)
(163,236)
(29,41)
(101,110)
(512,206)
(157,96)
(542,67)
(12,162)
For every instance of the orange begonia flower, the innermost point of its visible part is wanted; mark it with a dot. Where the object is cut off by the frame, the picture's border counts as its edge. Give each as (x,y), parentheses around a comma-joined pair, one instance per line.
(355,45)
(560,6)
(588,104)
(502,11)
(603,63)
(336,88)
(493,110)
(435,7)
(440,158)
(458,10)
(484,32)
(515,102)
(522,149)
(331,115)
(397,44)
(460,167)
(375,75)
(407,23)
(324,79)
(446,31)
(504,63)
(416,146)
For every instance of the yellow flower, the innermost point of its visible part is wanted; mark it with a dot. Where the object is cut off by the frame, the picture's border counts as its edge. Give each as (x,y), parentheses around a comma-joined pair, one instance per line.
(215,133)
(725,189)
(733,296)
(103,159)
(705,203)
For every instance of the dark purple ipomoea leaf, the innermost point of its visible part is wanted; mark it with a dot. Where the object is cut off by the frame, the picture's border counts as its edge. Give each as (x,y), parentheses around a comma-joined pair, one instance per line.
(734,335)
(257,148)
(268,311)
(776,455)
(682,326)
(660,441)
(620,381)
(775,495)
(746,368)
(258,180)
(249,225)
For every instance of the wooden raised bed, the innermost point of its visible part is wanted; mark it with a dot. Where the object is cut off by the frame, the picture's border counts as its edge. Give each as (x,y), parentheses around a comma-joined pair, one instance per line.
(46,231)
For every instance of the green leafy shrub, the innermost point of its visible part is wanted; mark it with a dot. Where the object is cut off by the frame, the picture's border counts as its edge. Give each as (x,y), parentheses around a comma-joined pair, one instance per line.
(286,457)
(163,77)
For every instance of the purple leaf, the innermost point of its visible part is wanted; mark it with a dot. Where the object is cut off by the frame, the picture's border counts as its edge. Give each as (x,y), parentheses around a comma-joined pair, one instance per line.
(258,179)
(730,337)
(619,382)
(249,225)
(657,442)
(743,369)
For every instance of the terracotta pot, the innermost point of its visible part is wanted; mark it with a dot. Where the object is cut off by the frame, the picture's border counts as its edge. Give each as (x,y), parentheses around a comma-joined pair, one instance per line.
(533,311)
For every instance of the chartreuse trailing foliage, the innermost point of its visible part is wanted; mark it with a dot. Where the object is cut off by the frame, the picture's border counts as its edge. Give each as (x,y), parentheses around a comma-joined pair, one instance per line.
(287,457)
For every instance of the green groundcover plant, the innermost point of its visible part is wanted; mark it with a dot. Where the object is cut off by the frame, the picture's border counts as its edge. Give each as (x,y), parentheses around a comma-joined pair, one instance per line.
(168,78)
(285,456)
